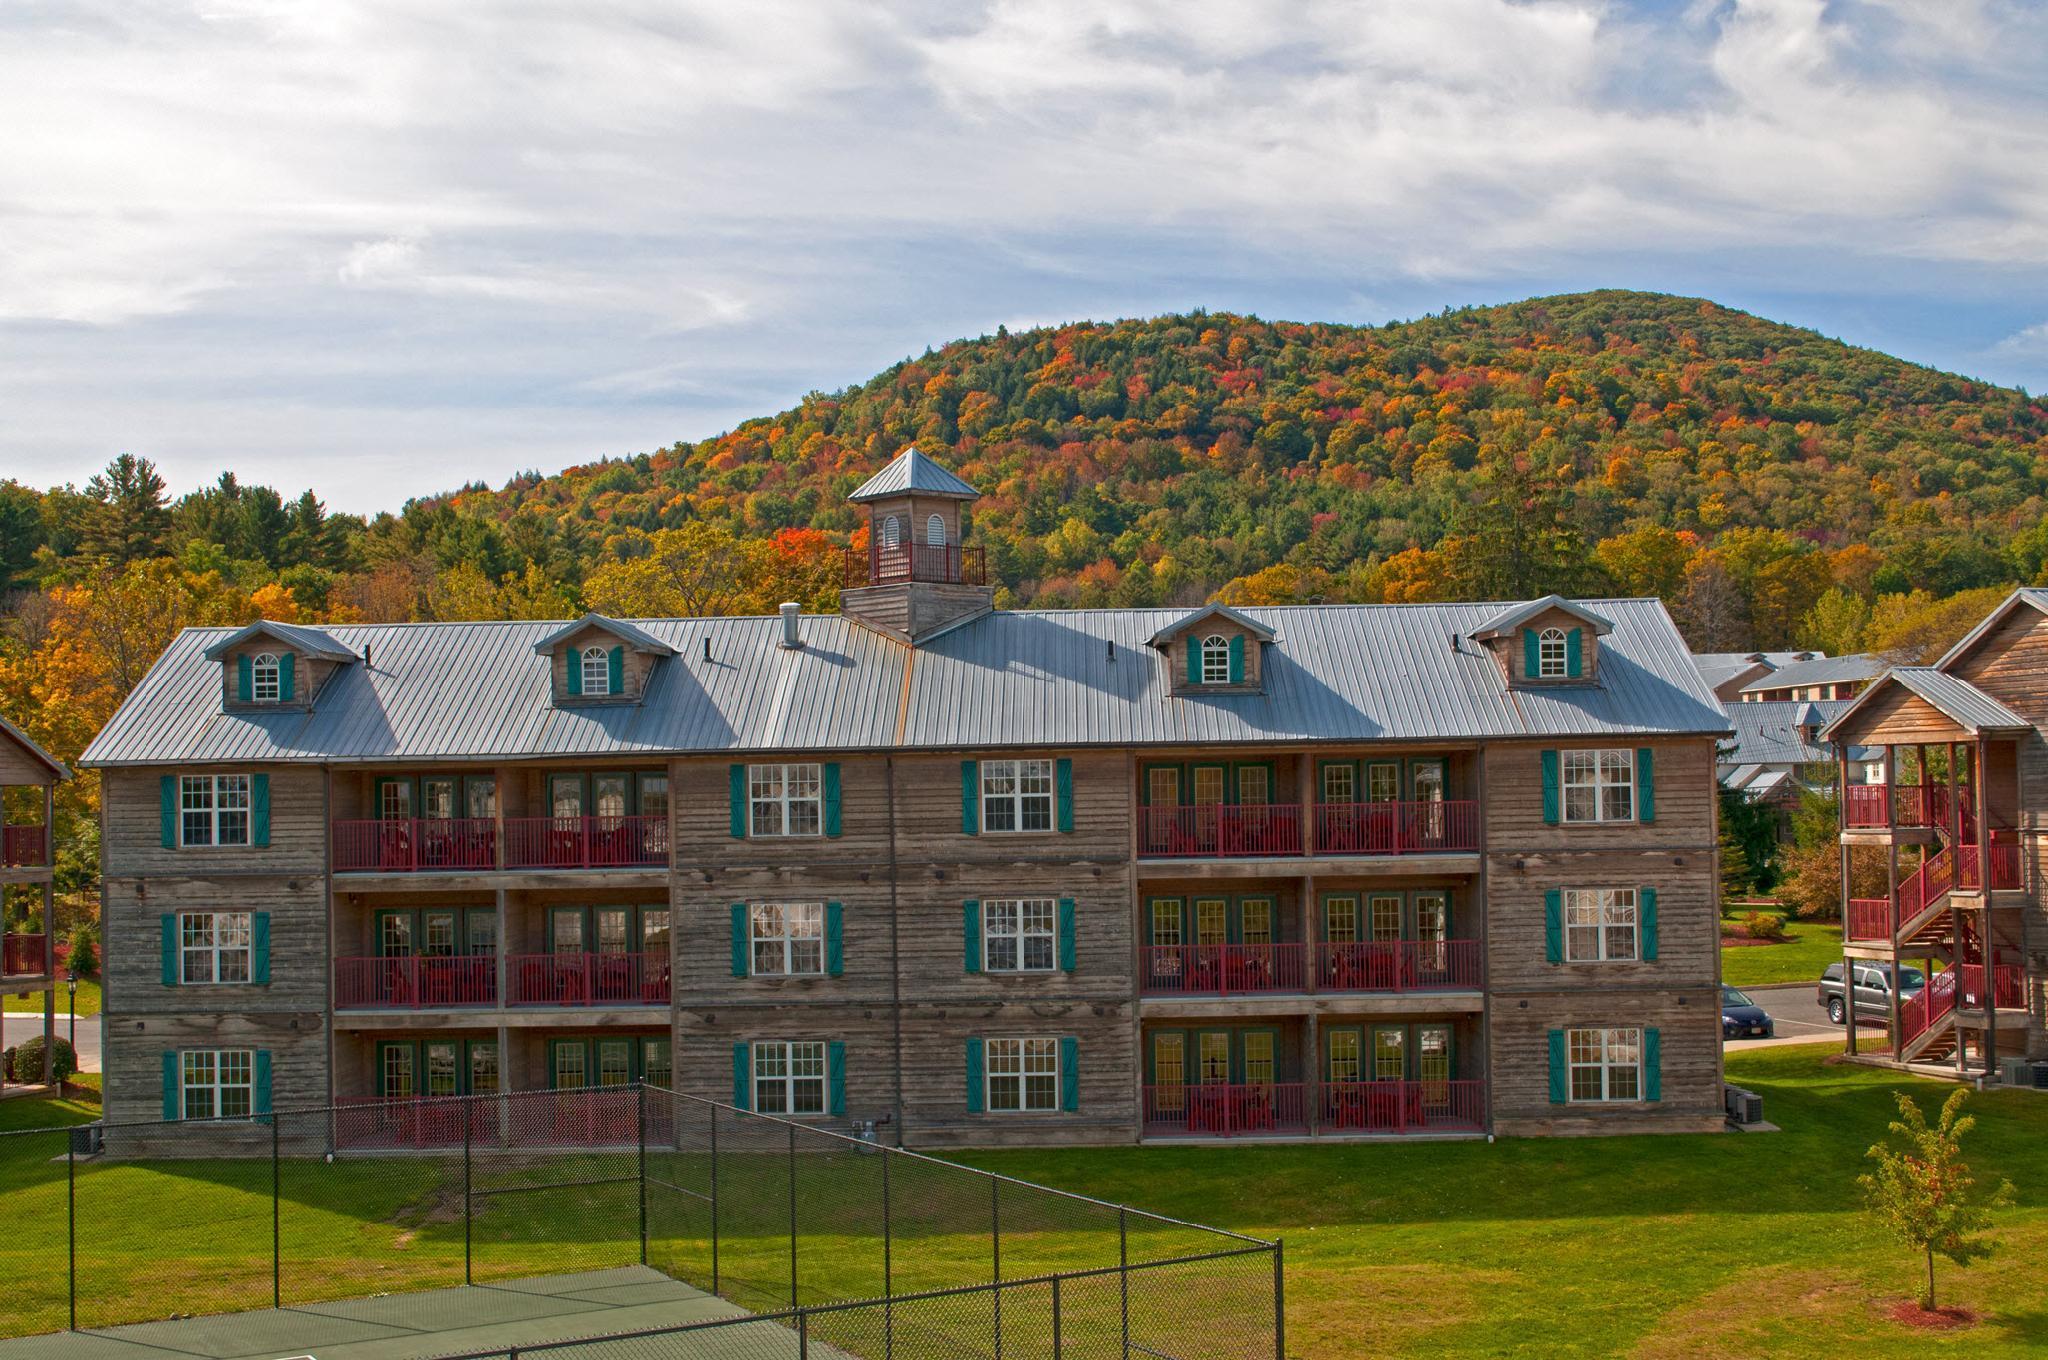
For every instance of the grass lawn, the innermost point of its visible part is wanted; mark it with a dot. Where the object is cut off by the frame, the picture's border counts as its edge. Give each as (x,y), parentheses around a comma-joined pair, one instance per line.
(88,1000)
(1810,946)
(1728,1245)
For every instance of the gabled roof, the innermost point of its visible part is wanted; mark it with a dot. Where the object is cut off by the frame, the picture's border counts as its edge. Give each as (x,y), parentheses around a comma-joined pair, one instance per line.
(2033,596)
(911,473)
(28,744)
(1955,698)
(1770,731)
(639,639)
(1500,625)
(1826,670)
(1211,611)
(297,636)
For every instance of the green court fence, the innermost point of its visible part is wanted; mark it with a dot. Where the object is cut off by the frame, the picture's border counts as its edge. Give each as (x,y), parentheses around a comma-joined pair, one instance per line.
(834,1245)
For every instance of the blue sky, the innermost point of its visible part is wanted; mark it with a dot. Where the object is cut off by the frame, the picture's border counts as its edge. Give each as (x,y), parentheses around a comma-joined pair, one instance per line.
(383,247)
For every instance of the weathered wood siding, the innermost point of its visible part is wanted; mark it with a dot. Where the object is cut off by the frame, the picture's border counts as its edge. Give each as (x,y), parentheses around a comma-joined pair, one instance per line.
(132,841)
(1689,1021)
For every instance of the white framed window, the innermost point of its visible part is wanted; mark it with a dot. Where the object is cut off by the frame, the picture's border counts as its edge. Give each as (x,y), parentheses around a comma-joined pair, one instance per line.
(1550,654)
(213,947)
(1606,1064)
(1023,1075)
(1600,786)
(217,1083)
(1600,925)
(788,938)
(789,1078)
(597,670)
(892,533)
(1016,795)
(785,800)
(266,682)
(1215,660)
(1019,935)
(213,809)
(935,532)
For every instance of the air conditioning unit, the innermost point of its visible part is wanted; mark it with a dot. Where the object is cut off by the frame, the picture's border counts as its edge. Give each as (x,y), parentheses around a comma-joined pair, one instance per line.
(2041,1076)
(1743,1107)
(2015,1072)
(88,1140)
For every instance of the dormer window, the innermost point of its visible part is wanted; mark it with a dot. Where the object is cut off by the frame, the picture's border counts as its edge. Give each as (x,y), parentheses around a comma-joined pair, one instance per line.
(266,682)
(1550,655)
(1215,660)
(597,670)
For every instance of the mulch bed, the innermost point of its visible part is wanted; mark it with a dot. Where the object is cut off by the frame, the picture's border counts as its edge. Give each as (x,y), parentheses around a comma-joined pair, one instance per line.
(1745,941)
(1909,1313)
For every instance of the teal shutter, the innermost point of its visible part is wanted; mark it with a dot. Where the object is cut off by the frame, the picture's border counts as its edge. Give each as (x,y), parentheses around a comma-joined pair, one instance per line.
(259,809)
(615,666)
(173,1107)
(245,688)
(168,933)
(835,1076)
(970,929)
(575,672)
(970,798)
(832,798)
(1550,792)
(1067,944)
(1646,784)
(1070,1074)
(259,948)
(742,1074)
(167,809)
(1575,653)
(736,777)
(1237,658)
(1646,916)
(1063,791)
(835,948)
(739,939)
(1194,660)
(1653,1064)
(1553,925)
(287,685)
(1532,658)
(975,1083)
(1560,1076)
(263,1103)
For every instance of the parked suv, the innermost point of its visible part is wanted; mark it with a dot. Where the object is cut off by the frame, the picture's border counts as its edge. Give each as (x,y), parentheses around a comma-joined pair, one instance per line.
(1873,989)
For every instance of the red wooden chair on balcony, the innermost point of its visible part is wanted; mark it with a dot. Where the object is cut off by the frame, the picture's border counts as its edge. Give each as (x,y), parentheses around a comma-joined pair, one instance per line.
(1254,1108)
(1205,968)
(1209,1108)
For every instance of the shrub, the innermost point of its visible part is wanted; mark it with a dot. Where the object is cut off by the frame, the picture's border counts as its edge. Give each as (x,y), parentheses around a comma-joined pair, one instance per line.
(85,953)
(25,1061)
(1764,925)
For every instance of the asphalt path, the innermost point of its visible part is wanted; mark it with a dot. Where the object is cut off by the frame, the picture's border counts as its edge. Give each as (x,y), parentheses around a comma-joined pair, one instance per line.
(1795,1012)
(21,1025)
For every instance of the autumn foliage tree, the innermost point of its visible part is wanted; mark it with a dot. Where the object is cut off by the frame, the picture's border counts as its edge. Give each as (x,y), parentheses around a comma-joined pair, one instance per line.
(1921,1190)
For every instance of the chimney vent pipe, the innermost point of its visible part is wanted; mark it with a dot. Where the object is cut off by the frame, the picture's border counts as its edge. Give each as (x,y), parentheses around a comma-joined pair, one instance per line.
(791,636)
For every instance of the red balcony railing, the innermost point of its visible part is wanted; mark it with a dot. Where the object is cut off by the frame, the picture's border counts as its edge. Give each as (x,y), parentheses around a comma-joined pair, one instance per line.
(1213,831)
(24,847)
(372,1122)
(590,980)
(1398,966)
(409,844)
(1220,1110)
(1870,918)
(585,842)
(1911,804)
(1403,1106)
(23,955)
(2005,863)
(943,564)
(1223,969)
(1395,828)
(415,983)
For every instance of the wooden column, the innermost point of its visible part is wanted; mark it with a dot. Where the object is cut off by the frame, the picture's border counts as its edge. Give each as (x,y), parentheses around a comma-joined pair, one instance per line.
(50,934)
(1312,1076)
(1984,896)
(1842,851)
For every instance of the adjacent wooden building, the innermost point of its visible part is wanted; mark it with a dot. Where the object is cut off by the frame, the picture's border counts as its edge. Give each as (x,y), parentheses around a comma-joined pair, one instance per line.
(29,776)
(1030,877)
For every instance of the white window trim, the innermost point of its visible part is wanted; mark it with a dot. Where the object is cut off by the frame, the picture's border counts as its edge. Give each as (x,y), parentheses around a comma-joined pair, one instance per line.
(215,950)
(1019,935)
(1607,906)
(1216,648)
(266,679)
(216,1087)
(1022,1072)
(1017,798)
(1599,784)
(600,657)
(813,771)
(788,1081)
(786,940)
(1605,1065)
(213,785)
(1552,660)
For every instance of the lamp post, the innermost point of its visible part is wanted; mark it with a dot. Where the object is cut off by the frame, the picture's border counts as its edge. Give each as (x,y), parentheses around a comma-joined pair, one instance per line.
(71,1004)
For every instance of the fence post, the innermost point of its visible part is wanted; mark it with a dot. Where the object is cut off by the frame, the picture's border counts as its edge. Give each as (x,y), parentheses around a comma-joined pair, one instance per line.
(714,1200)
(640,1100)
(888,1263)
(1056,1344)
(467,1205)
(792,1216)
(995,1233)
(276,1218)
(1279,1300)
(71,1224)
(803,1336)
(1123,1273)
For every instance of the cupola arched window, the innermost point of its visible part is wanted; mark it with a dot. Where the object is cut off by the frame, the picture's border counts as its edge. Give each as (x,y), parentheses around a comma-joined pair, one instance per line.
(935,532)
(892,533)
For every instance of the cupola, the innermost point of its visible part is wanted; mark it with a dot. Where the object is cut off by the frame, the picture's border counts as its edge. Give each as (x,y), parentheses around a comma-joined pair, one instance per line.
(919,577)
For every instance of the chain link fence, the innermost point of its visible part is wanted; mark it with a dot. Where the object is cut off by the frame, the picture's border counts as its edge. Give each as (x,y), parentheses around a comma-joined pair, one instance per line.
(833,1245)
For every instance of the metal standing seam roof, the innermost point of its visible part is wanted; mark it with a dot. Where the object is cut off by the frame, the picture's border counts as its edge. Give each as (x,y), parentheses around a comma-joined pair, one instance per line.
(910,472)
(474,691)
(1826,670)
(1957,699)
(1767,731)
(312,641)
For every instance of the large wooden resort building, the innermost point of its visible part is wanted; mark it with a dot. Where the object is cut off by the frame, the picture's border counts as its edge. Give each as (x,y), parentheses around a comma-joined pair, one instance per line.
(1094,876)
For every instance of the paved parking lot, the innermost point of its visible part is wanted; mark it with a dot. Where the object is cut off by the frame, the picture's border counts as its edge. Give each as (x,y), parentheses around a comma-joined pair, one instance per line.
(1795,1012)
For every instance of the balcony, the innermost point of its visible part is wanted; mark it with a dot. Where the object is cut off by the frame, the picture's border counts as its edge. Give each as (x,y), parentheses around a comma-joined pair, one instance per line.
(415,983)
(1397,828)
(1909,805)
(1220,832)
(380,1123)
(24,847)
(603,1117)
(1403,1107)
(1256,969)
(940,564)
(23,955)
(403,845)
(1267,830)
(586,842)
(590,980)
(1225,1110)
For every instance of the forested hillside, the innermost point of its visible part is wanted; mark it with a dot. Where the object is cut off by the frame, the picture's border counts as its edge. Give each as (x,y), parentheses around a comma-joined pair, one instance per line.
(1774,486)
